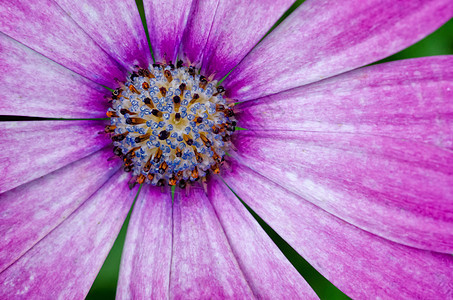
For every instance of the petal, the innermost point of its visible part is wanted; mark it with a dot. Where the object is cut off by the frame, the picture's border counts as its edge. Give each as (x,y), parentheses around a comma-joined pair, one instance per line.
(237,27)
(410,99)
(321,39)
(166,21)
(115,25)
(47,29)
(397,189)
(269,274)
(64,264)
(203,265)
(359,263)
(33,85)
(197,30)
(146,258)
(29,150)
(30,211)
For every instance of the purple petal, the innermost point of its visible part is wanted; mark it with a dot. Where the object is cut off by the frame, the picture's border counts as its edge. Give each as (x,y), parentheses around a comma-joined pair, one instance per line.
(115,25)
(398,189)
(269,274)
(410,99)
(238,26)
(357,262)
(64,264)
(197,31)
(321,39)
(30,211)
(33,85)
(203,265)
(33,149)
(146,258)
(47,29)
(166,21)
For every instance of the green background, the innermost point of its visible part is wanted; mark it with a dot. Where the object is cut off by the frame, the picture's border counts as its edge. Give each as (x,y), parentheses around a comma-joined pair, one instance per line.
(104,287)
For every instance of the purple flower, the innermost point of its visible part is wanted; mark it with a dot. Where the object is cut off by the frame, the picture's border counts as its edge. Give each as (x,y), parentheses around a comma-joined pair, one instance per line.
(352,168)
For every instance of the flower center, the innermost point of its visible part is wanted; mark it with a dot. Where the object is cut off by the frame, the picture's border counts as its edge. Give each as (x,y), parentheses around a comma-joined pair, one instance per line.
(170,125)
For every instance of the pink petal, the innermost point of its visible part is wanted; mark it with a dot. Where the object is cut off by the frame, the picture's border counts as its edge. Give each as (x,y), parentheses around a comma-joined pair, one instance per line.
(33,85)
(269,274)
(29,150)
(146,258)
(197,30)
(203,265)
(166,21)
(64,264)
(359,263)
(398,189)
(30,211)
(237,27)
(115,25)
(321,39)
(47,29)
(410,99)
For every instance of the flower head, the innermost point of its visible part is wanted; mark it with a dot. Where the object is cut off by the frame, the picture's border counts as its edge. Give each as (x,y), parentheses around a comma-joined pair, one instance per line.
(351,167)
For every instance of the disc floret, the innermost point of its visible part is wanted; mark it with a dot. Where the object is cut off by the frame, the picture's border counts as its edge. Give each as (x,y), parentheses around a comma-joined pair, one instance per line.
(170,125)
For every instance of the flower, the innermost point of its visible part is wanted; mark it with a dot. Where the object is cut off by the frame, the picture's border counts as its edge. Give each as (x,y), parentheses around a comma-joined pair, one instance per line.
(351,168)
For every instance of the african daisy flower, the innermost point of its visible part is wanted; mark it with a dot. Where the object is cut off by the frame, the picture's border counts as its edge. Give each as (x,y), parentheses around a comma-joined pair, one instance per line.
(353,168)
